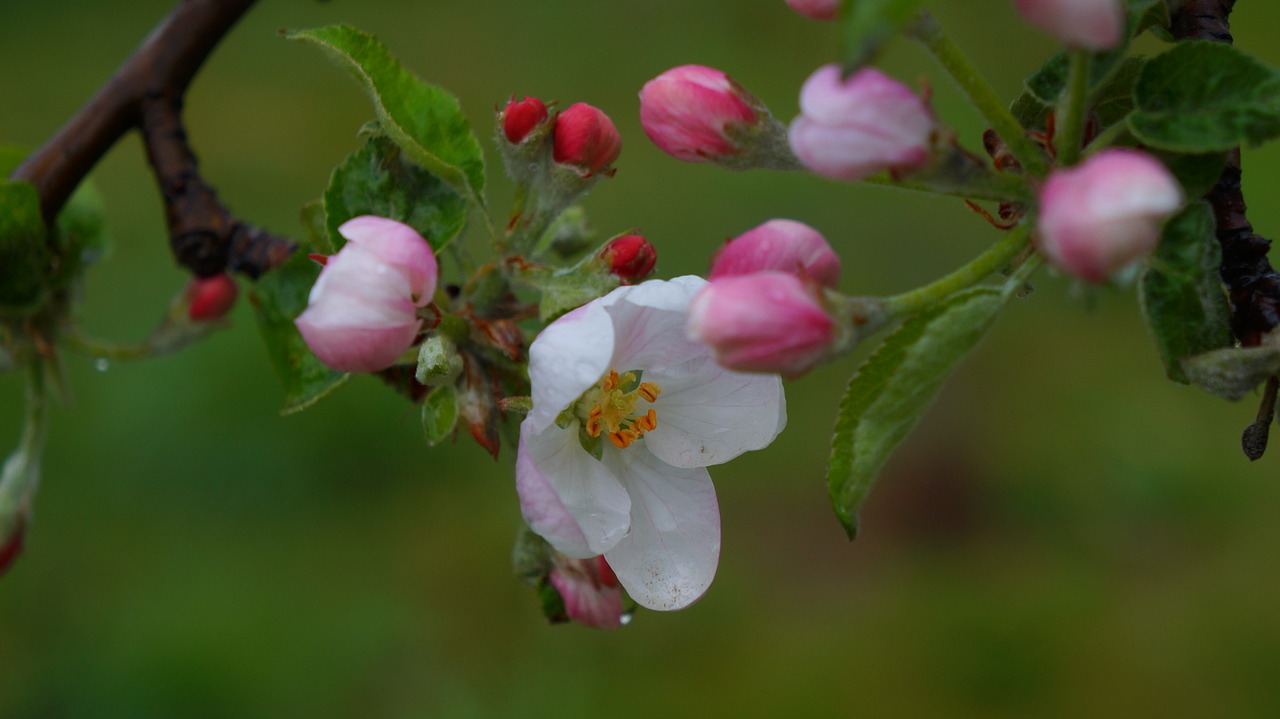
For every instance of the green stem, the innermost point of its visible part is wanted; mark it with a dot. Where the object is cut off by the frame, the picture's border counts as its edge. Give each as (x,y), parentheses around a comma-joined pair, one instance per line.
(1069,135)
(995,258)
(929,33)
(996,187)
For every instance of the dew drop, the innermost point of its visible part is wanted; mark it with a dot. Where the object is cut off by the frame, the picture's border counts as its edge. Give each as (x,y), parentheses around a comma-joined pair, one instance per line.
(626,618)
(102,364)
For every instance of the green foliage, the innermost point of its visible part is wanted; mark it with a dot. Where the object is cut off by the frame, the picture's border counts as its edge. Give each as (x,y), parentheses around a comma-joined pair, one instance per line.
(80,235)
(25,259)
(439,414)
(424,120)
(1196,173)
(1182,298)
(1232,372)
(378,180)
(894,387)
(278,299)
(1204,97)
(872,23)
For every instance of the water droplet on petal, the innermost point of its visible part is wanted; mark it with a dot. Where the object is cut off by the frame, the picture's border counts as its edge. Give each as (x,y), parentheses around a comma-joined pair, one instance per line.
(102,364)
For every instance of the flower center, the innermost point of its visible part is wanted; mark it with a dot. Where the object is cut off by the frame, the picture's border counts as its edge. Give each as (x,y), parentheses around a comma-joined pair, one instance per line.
(611,408)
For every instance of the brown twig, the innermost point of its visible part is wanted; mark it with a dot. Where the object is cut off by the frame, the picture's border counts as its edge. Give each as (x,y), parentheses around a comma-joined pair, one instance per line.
(146,94)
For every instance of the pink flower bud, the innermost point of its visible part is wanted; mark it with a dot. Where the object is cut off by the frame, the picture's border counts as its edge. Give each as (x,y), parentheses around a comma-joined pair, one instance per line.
(1088,24)
(853,128)
(816,9)
(586,138)
(769,321)
(1105,213)
(520,117)
(362,313)
(784,245)
(590,591)
(210,298)
(693,113)
(630,257)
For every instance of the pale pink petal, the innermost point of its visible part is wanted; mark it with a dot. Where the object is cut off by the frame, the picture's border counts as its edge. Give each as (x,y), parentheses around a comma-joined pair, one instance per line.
(398,245)
(566,495)
(711,415)
(648,321)
(357,349)
(669,557)
(566,359)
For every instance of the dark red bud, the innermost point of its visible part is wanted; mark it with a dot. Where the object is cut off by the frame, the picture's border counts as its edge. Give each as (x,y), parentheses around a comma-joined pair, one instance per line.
(211,297)
(630,257)
(586,137)
(519,118)
(604,573)
(11,546)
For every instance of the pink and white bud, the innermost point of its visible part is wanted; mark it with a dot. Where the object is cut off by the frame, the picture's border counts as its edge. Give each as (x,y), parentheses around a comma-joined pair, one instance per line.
(590,590)
(585,138)
(520,117)
(210,298)
(696,113)
(1087,24)
(852,128)
(630,257)
(362,312)
(769,321)
(784,245)
(1100,216)
(816,9)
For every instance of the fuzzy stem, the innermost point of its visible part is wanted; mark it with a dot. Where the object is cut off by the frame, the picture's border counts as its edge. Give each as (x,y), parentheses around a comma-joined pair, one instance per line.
(992,260)
(1070,132)
(929,33)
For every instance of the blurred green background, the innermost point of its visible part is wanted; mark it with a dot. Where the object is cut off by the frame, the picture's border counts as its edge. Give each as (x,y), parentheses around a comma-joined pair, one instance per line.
(1066,533)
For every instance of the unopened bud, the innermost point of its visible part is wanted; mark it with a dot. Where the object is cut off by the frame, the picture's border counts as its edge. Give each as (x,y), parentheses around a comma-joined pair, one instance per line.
(210,298)
(630,257)
(1087,24)
(519,118)
(816,9)
(362,311)
(783,245)
(852,128)
(769,321)
(590,590)
(1106,213)
(585,138)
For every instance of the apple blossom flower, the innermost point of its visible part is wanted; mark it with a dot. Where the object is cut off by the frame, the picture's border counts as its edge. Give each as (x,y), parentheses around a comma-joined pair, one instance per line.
(618,376)
(785,245)
(696,113)
(816,9)
(629,257)
(520,117)
(362,312)
(585,138)
(590,591)
(210,298)
(852,128)
(769,321)
(1088,24)
(1105,213)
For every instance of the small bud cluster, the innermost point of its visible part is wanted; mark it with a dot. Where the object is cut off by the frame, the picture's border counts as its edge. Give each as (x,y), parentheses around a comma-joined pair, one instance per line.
(764,308)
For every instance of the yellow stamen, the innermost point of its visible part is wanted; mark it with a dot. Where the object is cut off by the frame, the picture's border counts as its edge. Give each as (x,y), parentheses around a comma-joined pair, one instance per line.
(648,422)
(613,412)
(649,391)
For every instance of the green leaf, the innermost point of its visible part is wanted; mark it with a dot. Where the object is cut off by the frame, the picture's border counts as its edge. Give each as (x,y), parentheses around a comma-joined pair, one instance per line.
(1150,15)
(893,388)
(1232,372)
(439,414)
(312,217)
(278,298)
(80,233)
(870,24)
(377,180)
(424,120)
(1196,173)
(1182,297)
(1205,96)
(25,259)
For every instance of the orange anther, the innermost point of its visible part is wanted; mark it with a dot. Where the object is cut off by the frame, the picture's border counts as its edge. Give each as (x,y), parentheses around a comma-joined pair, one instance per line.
(648,422)
(649,391)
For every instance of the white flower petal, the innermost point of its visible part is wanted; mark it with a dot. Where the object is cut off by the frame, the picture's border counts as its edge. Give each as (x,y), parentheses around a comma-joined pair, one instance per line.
(568,497)
(566,359)
(669,557)
(709,415)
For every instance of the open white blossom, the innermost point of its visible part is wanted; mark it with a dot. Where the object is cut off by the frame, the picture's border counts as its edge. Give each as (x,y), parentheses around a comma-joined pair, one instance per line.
(627,413)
